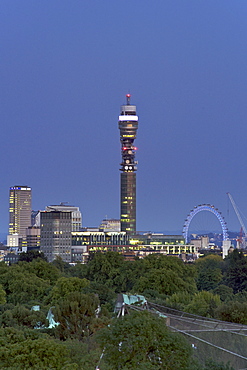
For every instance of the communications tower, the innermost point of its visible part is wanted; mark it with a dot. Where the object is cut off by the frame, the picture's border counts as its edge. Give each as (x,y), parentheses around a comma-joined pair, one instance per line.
(128,125)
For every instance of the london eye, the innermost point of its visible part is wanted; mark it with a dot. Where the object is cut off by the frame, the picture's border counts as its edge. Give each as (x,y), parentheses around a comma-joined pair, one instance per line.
(202,208)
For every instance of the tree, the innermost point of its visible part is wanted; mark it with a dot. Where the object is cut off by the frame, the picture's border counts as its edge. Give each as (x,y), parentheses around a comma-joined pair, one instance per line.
(142,341)
(212,365)
(106,295)
(21,316)
(179,300)
(107,268)
(164,281)
(225,292)
(232,311)
(86,360)
(61,265)
(209,272)
(29,256)
(32,350)
(235,271)
(76,314)
(22,286)
(79,270)
(204,304)
(66,285)
(166,275)
(2,295)
(42,269)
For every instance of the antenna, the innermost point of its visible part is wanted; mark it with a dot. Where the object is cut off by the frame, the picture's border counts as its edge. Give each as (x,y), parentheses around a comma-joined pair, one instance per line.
(128,98)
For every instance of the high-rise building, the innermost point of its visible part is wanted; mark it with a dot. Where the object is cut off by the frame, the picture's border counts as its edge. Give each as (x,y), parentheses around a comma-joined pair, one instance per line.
(76,214)
(55,234)
(20,200)
(128,125)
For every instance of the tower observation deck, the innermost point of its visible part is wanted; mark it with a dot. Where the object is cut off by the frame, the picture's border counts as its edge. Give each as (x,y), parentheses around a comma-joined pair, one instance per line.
(128,125)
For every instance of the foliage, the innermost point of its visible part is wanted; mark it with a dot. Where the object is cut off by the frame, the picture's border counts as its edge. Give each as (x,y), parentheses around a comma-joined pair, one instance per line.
(66,285)
(142,341)
(85,355)
(225,292)
(179,300)
(41,269)
(212,259)
(235,271)
(165,275)
(76,314)
(240,297)
(204,304)
(79,270)
(163,281)
(61,265)
(76,292)
(29,256)
(21,316)
(22,286)
(30,350)
(209,272)
(212,365)
(106,295)
(4,268)
(233,311)
(107,269)
(2,295)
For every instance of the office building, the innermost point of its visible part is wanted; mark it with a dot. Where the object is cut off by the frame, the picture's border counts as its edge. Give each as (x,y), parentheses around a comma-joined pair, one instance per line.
(128,125)
(33,238)
(20,200)
(90,240)
(76,217)
(55,234)
(110,224)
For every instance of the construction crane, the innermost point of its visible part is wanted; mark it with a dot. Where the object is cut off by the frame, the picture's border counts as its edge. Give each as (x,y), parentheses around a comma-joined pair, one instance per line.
(239,218)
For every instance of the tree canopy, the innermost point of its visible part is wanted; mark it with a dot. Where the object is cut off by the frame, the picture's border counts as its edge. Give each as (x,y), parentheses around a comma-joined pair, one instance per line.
(82,298)
(142,341)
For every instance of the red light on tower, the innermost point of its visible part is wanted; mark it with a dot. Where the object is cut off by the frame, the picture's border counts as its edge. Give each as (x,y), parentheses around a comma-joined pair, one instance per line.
(128,98)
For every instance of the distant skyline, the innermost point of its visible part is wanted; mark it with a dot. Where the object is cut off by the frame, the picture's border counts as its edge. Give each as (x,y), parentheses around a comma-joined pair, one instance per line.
(65,70)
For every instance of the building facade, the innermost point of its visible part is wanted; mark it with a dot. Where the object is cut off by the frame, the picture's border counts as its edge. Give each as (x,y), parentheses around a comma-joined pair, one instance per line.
(76,217)
(86,242)
(33,238)
(128,125)
(20,206)
(55,235)
(110,224)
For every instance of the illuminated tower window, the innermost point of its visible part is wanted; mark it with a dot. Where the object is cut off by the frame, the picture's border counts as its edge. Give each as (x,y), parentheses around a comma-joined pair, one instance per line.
(128,125)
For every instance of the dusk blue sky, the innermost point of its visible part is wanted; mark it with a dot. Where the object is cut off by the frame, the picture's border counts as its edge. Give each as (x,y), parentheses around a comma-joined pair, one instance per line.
(65,69)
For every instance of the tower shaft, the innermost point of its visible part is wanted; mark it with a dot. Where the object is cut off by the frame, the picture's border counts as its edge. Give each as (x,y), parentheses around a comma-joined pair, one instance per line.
(128,125)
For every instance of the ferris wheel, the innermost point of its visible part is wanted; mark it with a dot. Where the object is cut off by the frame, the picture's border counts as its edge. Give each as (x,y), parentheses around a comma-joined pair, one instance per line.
(202,208)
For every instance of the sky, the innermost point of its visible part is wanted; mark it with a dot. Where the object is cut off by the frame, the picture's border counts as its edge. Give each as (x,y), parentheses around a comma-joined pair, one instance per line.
(65,68)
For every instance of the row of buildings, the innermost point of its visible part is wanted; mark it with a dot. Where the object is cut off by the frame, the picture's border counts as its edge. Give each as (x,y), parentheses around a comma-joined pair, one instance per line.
(58,231)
